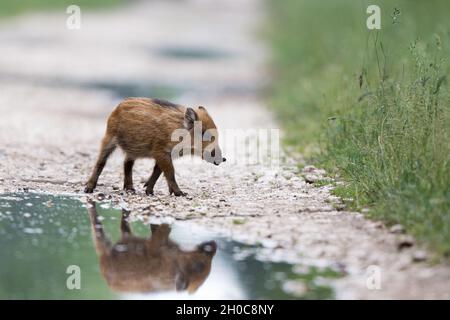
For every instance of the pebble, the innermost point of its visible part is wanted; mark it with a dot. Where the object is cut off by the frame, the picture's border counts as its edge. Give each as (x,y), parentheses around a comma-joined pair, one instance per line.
(101,196)
(378,225)
(311,178)
(309,168)
(404,242)
(419,256)
(397,229)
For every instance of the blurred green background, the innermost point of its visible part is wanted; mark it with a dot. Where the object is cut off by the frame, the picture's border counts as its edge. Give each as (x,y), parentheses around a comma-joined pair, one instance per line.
(371,106)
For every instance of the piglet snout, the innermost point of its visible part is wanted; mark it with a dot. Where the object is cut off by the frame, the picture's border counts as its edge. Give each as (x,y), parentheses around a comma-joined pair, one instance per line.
(217,163)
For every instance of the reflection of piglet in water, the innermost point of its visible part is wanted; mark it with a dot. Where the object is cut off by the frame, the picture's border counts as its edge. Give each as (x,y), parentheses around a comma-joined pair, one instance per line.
(143,128)
(153,264)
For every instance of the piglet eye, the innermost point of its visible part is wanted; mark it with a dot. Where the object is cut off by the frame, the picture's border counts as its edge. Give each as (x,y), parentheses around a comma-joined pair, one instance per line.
(198,267)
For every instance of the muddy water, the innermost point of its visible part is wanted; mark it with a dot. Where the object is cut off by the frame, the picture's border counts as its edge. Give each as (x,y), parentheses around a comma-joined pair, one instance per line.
(61,248)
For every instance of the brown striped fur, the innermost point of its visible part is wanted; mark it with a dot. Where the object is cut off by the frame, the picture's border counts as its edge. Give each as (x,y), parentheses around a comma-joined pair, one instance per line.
(142,128)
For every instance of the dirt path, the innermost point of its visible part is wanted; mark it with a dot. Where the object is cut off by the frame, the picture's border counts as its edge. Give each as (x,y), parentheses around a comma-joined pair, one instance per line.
(58,86)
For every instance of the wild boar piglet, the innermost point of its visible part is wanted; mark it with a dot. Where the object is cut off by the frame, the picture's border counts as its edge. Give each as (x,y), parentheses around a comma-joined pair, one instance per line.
(145,128)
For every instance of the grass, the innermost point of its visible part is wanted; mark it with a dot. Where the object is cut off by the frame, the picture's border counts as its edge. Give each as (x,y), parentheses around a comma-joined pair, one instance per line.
(372,107)
(14,7)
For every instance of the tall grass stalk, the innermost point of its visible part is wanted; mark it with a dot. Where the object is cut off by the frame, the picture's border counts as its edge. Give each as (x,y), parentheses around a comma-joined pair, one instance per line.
(371,106)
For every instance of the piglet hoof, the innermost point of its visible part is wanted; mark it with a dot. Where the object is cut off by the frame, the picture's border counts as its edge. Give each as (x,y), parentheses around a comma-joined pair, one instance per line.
(88,189)
(130,190)
(149,192)
(179,193)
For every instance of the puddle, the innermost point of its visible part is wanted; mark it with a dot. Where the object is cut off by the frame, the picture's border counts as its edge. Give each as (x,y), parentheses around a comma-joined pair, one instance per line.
(50,245)
(124,90)
(192,53)
(140,88)
(119,89)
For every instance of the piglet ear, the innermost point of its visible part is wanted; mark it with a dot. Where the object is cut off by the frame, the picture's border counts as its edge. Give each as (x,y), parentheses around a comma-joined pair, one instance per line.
(189,118)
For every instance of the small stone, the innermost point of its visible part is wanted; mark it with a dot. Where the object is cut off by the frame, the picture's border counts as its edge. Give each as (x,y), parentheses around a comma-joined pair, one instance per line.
(49,203)
(309,169)
(115,188)
(419,256)
(311,178)
(378,225)
(397,229)
(404,242)
(333,199)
